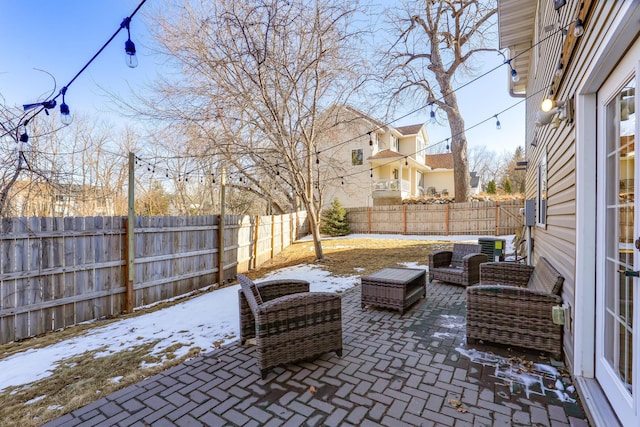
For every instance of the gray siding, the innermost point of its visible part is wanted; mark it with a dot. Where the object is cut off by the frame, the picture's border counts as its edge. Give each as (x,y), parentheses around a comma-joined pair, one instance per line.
(557,241)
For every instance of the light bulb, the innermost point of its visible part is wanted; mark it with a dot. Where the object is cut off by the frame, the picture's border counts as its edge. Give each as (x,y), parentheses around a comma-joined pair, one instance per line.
(514,76)
(130,54)
(65,114)
(547,105)
(432,116)
(498,125)
(559,69)
(578,28)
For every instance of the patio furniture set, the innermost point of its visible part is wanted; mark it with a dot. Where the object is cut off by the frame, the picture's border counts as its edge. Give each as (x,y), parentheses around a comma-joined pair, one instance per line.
(507,303)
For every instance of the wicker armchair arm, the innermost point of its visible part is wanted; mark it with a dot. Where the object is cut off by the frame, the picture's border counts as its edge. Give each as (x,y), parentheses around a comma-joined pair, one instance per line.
(272,289)
(440,259)
(505,273)
(497,292)
(473,260)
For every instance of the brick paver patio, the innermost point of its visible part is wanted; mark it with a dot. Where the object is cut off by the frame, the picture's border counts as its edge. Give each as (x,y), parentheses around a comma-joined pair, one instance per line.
(411,370)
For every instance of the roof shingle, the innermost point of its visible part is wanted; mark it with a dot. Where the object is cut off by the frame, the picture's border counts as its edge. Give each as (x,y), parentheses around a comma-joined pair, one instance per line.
(439,161)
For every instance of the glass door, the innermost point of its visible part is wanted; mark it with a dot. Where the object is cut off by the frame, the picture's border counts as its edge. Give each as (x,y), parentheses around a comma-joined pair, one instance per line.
(619,236)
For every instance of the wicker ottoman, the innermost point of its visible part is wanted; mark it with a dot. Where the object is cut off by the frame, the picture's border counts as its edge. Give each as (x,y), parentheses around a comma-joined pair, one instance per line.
(395,288)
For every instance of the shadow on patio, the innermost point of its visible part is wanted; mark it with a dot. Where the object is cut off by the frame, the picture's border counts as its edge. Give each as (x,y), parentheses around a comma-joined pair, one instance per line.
(413,369)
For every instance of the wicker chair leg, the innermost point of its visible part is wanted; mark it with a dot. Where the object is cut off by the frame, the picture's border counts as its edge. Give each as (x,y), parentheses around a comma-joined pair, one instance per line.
(263,373)
(339,353)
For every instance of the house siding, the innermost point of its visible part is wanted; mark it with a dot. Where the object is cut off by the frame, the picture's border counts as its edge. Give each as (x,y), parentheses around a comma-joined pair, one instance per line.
(557,240)
(374,181)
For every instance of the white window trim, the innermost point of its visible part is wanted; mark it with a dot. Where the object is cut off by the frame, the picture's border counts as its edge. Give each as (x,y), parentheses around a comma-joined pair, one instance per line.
(542,192)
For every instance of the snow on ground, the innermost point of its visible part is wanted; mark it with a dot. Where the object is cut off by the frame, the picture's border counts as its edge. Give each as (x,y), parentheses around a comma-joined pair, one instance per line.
(539,379)
(205,321)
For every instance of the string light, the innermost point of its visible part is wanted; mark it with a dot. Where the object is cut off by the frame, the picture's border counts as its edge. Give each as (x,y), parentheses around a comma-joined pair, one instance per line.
(447,147)
(498,125)
(65,114)
(129,47)
(370,139)
(558,72)
(578,28)
(514,74)
(432,114)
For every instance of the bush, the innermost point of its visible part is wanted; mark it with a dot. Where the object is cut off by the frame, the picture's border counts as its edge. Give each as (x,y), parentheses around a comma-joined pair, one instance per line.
(491,187)
(334,220)
(507,186)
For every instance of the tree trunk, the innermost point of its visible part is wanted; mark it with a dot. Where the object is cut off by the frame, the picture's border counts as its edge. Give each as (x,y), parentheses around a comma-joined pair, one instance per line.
(314,225)
(460,161)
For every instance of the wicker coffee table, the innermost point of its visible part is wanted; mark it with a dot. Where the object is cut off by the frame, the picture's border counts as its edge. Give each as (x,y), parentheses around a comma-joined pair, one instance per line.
(395,288)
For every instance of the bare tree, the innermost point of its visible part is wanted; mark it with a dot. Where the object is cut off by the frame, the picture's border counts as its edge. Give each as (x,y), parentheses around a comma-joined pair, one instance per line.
(435,43)
(516,173)
(22,169)
(255,79)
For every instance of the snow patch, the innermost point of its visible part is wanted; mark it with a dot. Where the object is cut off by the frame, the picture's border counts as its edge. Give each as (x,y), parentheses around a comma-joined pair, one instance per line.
(539,379)
(35,399)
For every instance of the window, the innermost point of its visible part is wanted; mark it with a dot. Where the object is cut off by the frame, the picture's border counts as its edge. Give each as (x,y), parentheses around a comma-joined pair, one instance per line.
(395,144)
(542,191)
(356,157)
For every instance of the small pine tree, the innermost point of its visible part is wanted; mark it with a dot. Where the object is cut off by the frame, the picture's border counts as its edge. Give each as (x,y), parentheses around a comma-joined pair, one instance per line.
(334,220)
(507,186)
(491,187)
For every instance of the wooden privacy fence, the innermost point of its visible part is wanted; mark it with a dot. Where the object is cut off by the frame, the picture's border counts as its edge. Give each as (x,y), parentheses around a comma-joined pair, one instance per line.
(485,218)
(57,272)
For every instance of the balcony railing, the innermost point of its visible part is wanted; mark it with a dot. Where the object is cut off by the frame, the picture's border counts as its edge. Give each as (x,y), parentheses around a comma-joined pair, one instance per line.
(391,185)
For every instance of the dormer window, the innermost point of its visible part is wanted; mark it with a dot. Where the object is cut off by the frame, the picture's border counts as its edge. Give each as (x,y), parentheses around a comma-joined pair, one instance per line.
(395,143)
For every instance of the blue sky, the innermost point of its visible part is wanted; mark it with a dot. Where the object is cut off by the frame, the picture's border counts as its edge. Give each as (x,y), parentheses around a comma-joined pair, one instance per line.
(61,36)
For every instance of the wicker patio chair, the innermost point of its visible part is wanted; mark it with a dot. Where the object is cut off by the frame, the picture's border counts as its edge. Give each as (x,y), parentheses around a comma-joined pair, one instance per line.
(288,322)
(460,266)
(513,305)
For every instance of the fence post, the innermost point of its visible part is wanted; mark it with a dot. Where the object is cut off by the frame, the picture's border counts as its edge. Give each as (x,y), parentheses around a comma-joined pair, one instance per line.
(497,218)
(273,231)
(404,215)
(223,183)
(291,229)
(131,237)
(255,244)
(446,210)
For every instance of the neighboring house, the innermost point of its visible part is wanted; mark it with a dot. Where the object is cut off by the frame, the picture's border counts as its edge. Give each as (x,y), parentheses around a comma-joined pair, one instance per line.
(28,198)
(581,174)
(441,179)
(474,183)
(375,164)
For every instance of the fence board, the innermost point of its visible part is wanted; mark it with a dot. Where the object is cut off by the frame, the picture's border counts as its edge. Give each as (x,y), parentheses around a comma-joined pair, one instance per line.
(438,219)
(56,272)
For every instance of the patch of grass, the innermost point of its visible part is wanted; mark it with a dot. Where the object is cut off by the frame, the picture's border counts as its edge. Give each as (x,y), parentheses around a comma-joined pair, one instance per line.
(83,379)
(76,382)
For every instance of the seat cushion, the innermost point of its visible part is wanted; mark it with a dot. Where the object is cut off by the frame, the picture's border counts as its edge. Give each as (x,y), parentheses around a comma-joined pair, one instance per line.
(460,250)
